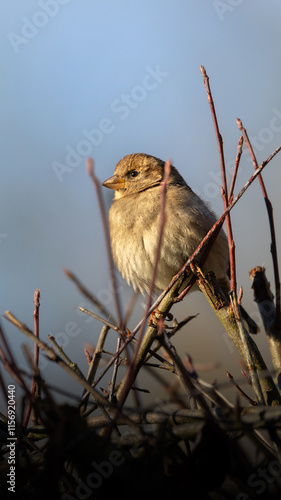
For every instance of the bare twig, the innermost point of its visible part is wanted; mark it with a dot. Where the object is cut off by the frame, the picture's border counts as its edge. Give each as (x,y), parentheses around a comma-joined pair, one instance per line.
(195,396)
(90,170)
(88,294)
(114,374)
(34,390)
(64,356)
(273,246)
(10,363)
(224,190)
(239,390)
(102,320)
(235,170)
(93,366)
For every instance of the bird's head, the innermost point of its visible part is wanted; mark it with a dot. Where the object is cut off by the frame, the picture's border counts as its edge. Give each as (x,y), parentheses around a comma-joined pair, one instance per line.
(136,173)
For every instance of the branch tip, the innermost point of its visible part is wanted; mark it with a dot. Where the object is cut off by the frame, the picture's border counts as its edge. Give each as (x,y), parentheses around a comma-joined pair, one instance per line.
(90,166)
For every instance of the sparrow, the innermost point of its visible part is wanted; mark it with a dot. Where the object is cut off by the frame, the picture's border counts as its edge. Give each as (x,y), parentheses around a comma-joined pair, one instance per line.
(134,220)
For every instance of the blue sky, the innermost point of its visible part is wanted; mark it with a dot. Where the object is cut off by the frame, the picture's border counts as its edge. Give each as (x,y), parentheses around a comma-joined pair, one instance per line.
(127,75)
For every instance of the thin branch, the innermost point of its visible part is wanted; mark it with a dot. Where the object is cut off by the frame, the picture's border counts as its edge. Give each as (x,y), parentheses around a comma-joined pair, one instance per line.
(88,294)
(34,390)
(273,246)
(239,390)
(188,383)
(93,366)
(90,170)
(235,170)
(10,364)
(102,320)
(114,374)
(130,306)
(224,182)
(64,356)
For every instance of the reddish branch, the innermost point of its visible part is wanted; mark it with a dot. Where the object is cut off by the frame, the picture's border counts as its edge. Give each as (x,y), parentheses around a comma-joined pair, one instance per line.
(90,170)
(224,194)
(273,247)
(240,391)
(235,170)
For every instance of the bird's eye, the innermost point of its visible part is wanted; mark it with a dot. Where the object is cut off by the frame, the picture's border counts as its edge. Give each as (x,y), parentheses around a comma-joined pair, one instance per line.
(133,173)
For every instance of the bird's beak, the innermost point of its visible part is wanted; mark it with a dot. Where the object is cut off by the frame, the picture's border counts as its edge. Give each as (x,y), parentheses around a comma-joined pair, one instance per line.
(114,182)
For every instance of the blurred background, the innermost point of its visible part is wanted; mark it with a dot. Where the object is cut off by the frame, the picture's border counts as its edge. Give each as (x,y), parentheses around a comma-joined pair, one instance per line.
(105,79)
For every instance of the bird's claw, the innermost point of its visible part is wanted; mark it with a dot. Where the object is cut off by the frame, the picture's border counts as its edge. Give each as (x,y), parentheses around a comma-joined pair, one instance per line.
(156,315)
